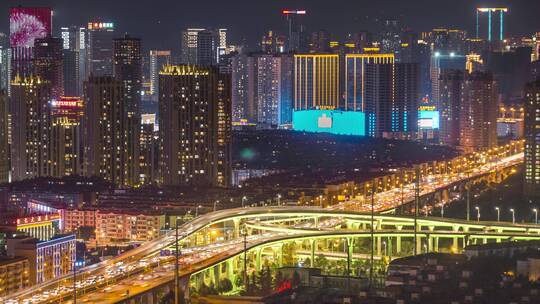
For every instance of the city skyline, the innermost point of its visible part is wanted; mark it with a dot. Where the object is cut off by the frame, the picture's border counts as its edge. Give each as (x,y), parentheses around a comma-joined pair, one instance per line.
(250,20)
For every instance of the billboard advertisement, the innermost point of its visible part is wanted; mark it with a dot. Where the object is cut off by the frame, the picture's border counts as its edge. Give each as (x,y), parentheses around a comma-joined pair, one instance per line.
(428,119)
(28,23)
(330,121)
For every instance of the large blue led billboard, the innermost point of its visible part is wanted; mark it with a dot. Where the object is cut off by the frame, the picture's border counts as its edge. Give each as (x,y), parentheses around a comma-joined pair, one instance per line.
(428,119)
(330,121)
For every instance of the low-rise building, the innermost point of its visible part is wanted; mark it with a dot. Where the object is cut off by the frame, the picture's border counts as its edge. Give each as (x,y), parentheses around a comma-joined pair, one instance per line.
(46,259)
(117,227)
(14,275)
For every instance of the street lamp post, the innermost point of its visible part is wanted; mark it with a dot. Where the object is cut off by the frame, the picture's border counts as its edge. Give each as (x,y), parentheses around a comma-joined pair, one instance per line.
(477,213)
(535,215)
(498,214)
(244,198)
(279,199)
(513,216)
(197,210)
(320,201)
(215,205)
(244,234)
(442,209)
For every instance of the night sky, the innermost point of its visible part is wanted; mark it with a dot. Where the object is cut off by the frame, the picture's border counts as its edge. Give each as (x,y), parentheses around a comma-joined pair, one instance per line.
(159,22)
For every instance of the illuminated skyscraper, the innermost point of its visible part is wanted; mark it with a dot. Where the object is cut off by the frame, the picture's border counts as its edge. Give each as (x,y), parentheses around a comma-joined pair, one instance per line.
(478,112)
(48,63)
(4,62)
(26,25)
(66,136)
(316,81)
(127,68)
(194,126)
(74,52)
(99,50)
(240,78)
(449,104)
(105,149)
(266,89)
(441,62)
(406,98)
(203,46)
(297,40)
(532,140)
(29,109)
(158,59)
(149,150)
(4,144)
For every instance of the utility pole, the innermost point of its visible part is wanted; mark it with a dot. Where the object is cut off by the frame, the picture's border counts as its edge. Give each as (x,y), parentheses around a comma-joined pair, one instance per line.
(246,282)
(176,266)
(75,276)
(468,197)
(372,234)
(416,202)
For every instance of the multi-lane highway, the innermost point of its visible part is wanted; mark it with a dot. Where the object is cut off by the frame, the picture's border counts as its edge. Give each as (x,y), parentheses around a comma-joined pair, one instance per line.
(120,277)
(393,198)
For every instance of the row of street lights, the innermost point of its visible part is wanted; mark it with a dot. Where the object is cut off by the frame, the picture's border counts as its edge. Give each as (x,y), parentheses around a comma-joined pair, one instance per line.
(535,210)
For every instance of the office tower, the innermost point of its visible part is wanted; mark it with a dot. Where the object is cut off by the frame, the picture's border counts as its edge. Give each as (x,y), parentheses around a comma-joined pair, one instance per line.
(105,151)
(66,146)
(4,62)
(297,37)
(48,63)
(74,52)
(320,42)
(4,144)
(222,45)
(379,96)
(203,46)
(26,24)
(356,77)
(194,126)
(491,21)
(189,45)
(239,87)
(273,43)
(512,71)
(441,62)
(207,46)
(316,81)
(391,37)
(449,104)
(532,140)
(406,98)
(127,68)
(149,149)
(99,51)
(158,59)
(29,105)
(478,112)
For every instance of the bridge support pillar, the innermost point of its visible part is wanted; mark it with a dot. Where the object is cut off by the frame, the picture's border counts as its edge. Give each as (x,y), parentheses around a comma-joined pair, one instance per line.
(236,223)
(280,254)
(379,245)
(418,244)
(484,241)
(312,257)
(398,244)
(390,246)
(436,244)
(430,244)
